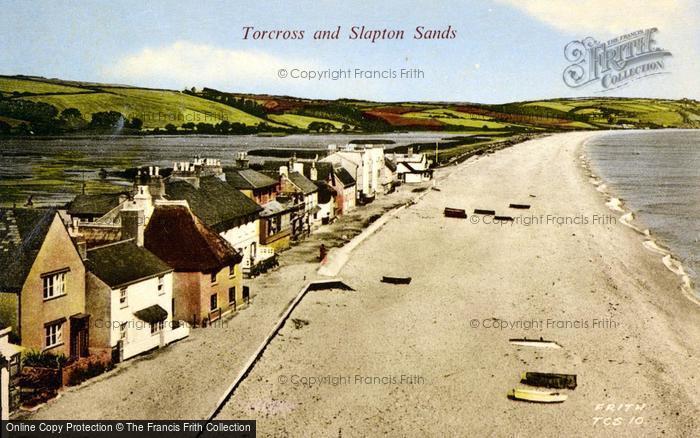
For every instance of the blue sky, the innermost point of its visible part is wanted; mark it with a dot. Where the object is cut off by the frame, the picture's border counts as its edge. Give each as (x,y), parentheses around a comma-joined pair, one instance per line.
(505,50)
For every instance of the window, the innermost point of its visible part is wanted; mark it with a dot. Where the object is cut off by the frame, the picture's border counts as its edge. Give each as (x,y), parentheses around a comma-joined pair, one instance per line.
(213,277)
(53,334)
(123,302)
(213,302)
(54,285)
(156,327)
(232,270)
(161,285)
(232,295)
(122,332)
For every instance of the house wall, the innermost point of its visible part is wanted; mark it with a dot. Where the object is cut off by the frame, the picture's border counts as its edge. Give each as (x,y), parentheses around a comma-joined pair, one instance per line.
(244,238)
(56,253)
(279,241)
(186,293)
(349,198)
(223,282)
(97,304)
(139,296)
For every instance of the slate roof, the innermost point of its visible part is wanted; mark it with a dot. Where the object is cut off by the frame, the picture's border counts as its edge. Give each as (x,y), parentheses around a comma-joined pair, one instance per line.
(323,170)
(185,242)
(217,203)
(305,185)
(94,205)
(22,232)
(123,263)
(325,192)
(345,177)
(248,179)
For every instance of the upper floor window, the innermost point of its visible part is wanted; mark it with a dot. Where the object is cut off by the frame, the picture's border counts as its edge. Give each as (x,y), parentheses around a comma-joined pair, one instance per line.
(232,270)
(213,277)
(161,285)
(123,298)
(54,284)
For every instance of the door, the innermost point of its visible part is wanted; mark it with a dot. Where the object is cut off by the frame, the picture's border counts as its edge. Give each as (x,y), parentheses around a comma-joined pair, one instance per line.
(79,340)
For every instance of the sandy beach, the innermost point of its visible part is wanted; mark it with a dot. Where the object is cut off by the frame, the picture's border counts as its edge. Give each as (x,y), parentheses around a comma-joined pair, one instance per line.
(433,358)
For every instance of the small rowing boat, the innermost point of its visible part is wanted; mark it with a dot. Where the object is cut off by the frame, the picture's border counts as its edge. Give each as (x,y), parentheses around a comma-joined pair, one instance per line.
(533,395)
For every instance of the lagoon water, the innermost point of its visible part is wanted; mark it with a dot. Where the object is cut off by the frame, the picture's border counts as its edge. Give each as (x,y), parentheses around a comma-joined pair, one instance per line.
(657,175)
(52,170)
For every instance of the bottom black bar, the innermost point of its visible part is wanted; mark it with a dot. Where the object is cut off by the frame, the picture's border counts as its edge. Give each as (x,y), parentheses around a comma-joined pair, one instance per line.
(128,428)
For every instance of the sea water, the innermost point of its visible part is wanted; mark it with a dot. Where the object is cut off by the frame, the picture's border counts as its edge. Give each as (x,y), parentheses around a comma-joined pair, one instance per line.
(657,175)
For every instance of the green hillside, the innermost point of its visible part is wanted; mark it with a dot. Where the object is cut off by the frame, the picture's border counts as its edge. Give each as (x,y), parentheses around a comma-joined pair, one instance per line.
(51,106)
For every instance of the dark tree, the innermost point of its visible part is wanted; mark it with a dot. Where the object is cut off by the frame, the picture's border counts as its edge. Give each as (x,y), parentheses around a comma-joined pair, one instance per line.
(107,120)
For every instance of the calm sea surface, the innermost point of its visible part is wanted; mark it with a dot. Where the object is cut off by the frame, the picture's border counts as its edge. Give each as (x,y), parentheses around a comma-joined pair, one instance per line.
(53,170)
(657,174)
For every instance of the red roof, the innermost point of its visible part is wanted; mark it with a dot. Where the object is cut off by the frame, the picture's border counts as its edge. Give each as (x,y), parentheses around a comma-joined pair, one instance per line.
(184,242)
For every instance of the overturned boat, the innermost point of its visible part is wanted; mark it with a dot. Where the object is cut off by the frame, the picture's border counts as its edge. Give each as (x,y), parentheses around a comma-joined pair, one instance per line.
(396,280)
(549,380)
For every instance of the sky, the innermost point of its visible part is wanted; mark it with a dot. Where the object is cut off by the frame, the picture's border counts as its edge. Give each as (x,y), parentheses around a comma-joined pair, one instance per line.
(503,50)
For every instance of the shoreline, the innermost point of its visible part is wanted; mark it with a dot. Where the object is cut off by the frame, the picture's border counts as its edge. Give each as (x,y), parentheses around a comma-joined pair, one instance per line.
(650,240)
(592,289)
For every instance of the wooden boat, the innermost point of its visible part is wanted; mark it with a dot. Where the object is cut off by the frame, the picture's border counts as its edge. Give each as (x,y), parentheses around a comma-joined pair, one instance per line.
(396,280)
(534,343)
(486,212)
(520,206)
(455,212)
(504,218)
(549,380)
(533,395)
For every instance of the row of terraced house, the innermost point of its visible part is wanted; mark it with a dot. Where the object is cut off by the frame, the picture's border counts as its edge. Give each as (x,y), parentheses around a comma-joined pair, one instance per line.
(128,272)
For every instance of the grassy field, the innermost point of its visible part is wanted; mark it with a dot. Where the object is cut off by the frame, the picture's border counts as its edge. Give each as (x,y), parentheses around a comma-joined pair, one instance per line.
(156,108)
(302,122)
(10,84)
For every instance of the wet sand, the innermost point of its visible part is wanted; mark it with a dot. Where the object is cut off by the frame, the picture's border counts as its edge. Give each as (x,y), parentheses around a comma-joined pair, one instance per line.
(433,357)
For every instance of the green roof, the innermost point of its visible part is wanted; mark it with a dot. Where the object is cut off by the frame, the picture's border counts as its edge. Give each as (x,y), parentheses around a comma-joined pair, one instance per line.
(217,203)
(22,232)
(94,205)
(248,179)
(305,185)
(123,263)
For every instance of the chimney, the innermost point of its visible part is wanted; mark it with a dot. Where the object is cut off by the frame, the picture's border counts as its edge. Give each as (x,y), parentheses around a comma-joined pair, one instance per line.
(133,222)
(81,243)
(314,172)
(284,171)
(410,152)
(298,167)
(242,161)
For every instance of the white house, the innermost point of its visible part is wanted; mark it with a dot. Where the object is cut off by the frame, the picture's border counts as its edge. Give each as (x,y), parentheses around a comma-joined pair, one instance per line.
(130,297)
(367,167)
(412,168)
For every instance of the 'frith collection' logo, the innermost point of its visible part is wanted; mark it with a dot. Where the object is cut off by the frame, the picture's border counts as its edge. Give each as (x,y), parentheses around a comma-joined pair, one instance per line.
(616,62)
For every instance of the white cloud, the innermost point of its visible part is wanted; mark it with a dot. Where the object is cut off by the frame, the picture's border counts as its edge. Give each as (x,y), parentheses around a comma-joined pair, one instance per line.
(185,63)
(604,18)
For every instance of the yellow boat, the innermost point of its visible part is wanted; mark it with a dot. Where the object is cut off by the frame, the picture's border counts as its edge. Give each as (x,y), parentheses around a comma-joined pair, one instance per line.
(534,395)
